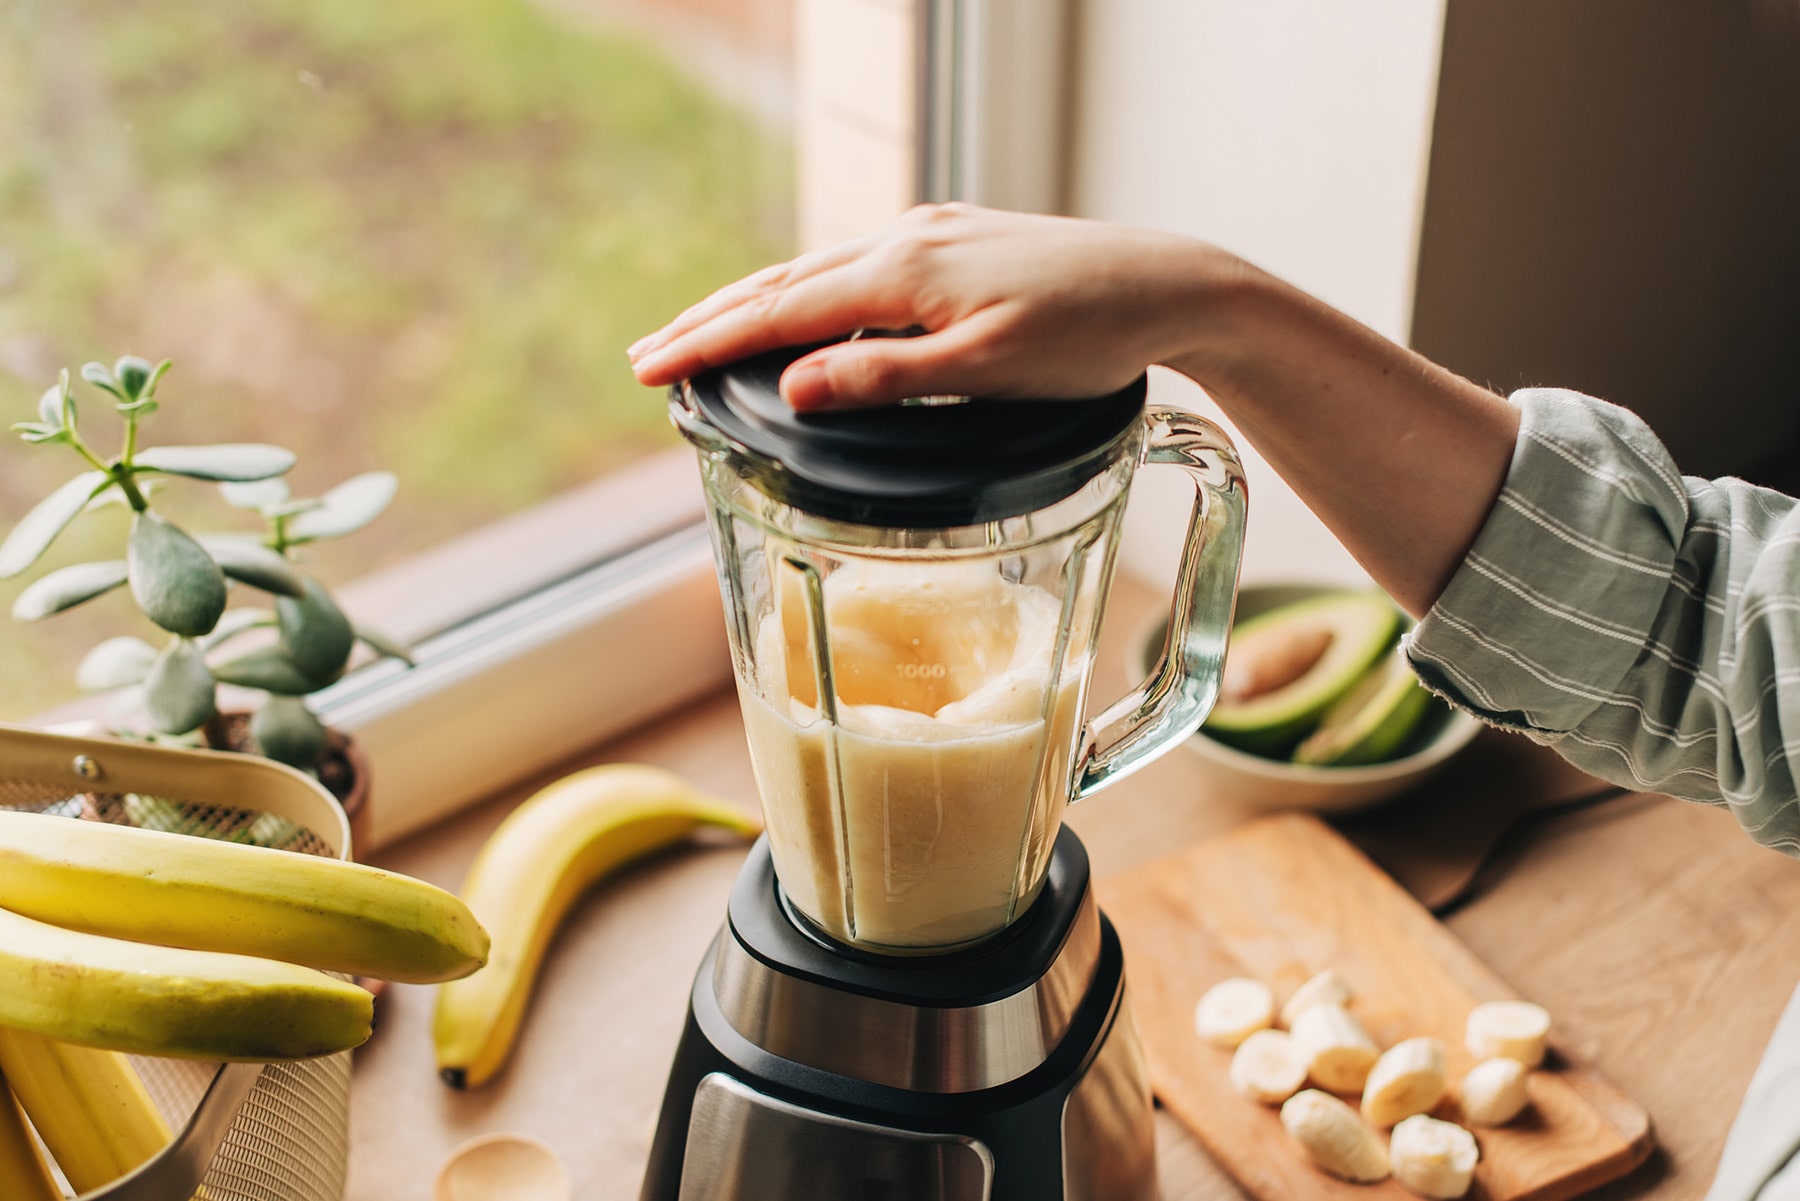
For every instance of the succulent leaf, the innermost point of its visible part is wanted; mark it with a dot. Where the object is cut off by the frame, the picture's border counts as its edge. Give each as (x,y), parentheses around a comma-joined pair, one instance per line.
(286,731)
(133,375)
(255,495)
(254,564)
(240,462)
(37,434)
(178,692)
(67,587)
(315,632)
(346,508)
(271,669)
(156,375)
(235,622)
(175,581)
(33,535)
(115,663)
(97,375)
(50,404)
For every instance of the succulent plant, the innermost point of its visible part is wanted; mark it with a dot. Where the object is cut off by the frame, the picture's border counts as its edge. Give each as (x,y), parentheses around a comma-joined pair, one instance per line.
(183,582)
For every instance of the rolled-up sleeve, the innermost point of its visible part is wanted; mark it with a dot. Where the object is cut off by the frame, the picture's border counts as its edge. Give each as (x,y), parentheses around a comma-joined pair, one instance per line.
(1645,624)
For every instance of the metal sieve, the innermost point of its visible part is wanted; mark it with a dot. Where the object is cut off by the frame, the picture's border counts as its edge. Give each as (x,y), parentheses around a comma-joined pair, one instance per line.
(243,1132)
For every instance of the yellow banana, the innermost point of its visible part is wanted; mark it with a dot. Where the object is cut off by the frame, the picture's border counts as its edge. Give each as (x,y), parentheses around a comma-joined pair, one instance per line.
(24,1176)
(89,1107)
(128,996)
(536,865)
(153,887)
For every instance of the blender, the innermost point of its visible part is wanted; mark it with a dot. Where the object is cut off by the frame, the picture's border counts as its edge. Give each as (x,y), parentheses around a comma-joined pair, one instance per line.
(914,994)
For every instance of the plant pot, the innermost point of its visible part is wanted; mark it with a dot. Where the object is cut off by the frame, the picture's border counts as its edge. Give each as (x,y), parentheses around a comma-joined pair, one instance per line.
(344,770)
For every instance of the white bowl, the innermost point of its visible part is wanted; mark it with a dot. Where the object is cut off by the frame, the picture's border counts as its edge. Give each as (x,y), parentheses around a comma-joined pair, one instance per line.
(1241,778)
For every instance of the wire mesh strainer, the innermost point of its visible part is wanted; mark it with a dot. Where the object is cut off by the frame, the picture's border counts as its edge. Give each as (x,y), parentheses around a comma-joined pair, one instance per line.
(243,1132)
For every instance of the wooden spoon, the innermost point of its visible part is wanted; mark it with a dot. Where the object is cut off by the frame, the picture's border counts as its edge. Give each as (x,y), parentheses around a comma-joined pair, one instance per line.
(502,1167)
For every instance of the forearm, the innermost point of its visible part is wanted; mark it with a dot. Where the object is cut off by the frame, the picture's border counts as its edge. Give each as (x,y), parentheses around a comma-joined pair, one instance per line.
(1401,458)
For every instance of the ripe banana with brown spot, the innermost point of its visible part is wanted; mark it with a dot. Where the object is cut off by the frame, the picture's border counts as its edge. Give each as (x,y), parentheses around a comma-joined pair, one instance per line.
(536,865)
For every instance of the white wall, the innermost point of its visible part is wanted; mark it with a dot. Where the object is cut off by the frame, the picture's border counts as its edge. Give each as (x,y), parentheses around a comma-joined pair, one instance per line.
(1292,132)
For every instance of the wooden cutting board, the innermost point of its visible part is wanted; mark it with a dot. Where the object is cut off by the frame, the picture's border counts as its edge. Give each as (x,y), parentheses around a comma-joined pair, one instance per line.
(1282,898)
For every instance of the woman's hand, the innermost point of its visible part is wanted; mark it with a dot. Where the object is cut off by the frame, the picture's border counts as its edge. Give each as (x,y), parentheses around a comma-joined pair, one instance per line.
(1012,305)
(1401,458)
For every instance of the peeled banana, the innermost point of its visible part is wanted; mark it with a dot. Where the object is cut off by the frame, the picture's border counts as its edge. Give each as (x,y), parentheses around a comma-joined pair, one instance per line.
(1494,1092)
(1267,1067)
(1337,1050)
(1432,1158)
(1326,988)
(127,996)
(24,1176)
(533,868)
(1409,1078)
(1231,1010)
(155,887)
(1512,1029)
(1334,1135)
(88,1106)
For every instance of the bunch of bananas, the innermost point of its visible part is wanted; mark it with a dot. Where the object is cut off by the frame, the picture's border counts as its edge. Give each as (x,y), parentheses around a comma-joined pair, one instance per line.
(115,939)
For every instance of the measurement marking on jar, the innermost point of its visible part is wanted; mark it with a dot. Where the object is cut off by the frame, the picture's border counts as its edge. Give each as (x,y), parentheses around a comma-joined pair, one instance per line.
(921,671)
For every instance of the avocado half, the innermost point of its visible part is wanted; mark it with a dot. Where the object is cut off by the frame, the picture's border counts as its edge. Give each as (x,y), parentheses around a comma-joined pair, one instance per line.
(1362,625)
(1371,721)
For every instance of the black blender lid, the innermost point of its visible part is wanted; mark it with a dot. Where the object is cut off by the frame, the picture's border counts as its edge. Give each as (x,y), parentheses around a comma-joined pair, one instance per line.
(913,465)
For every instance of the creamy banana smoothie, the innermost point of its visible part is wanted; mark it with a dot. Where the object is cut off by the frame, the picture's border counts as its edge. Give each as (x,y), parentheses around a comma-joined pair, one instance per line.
(922,817)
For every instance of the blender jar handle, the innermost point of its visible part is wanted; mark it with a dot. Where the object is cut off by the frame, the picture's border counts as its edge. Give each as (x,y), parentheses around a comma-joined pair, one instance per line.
(1169,706)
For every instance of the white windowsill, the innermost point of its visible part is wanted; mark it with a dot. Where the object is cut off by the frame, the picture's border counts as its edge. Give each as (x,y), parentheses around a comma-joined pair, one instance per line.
(573,622)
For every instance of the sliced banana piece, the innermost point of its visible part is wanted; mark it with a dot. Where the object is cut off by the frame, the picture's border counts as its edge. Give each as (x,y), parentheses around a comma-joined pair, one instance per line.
(1267,1067)
(1409,1078)
(1337,1050)
(1326,988)
(1432,1158)
(1510,1029)
(1232,1010)
(1494,1092)
(1334,1136)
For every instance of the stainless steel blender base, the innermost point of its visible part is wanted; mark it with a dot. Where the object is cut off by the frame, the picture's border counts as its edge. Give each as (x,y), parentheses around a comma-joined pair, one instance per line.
(1013,1073)
(742,1144)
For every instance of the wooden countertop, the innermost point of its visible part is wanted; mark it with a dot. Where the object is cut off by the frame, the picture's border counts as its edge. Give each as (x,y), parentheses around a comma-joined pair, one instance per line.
(1658,935)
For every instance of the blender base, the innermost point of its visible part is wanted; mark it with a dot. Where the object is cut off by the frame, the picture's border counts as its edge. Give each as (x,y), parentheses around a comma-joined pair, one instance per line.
(1008,1072)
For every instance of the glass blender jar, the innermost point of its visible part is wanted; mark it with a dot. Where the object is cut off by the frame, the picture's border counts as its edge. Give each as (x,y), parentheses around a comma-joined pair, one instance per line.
(913,596)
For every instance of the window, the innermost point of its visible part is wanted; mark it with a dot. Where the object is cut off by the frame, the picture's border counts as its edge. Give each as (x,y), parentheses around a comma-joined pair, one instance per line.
(414,236)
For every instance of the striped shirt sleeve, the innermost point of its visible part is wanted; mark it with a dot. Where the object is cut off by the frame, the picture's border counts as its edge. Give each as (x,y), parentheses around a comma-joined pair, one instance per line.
(1644,624)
